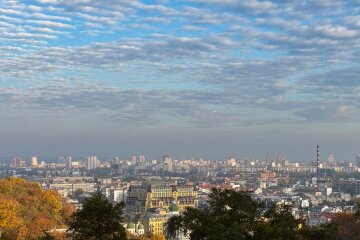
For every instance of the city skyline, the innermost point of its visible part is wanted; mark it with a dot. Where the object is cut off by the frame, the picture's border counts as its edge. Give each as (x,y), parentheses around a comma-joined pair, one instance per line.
(319,156)
(205,78)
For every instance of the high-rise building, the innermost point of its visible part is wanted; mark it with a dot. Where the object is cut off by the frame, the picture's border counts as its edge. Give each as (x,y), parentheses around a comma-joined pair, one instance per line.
(133,160)
(68,162)
(142,159)
(168,164)
(34,161)
(17,162)
(91,162)
(331,159)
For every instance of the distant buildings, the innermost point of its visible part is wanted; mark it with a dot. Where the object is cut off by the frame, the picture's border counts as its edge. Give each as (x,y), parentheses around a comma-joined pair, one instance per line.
(133,160)
(91,162)
(17,162)
(142,159)
(68,162)
(168,163)
(34,162)
(69,185)
(269,178)
(351,186)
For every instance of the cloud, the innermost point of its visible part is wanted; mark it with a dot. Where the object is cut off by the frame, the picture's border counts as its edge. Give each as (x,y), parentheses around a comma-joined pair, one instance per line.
(272,56)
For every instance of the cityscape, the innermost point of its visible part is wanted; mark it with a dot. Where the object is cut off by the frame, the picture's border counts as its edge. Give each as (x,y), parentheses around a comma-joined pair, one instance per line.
(154,190)
(179,120)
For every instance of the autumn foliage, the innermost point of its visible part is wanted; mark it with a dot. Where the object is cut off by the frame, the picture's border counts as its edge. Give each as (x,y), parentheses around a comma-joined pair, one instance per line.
(26,210)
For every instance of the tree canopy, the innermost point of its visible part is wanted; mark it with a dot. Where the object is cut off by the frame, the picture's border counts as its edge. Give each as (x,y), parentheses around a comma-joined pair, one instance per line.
(235,215)
(98,219)
(26,210)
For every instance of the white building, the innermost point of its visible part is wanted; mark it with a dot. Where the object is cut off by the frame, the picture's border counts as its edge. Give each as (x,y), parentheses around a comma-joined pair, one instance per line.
(91,162)
(68,162)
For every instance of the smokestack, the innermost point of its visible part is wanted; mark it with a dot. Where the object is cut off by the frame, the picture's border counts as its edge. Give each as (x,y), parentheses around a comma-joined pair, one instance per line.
(317,159)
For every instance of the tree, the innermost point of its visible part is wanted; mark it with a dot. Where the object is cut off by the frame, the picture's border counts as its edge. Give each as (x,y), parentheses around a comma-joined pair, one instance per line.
(326,231)
(228,217)
(278,223)
(234,215)
(78,194)
(151,236)
(348,226)
(98,219)
(9,214)
(46,236)
(26,210)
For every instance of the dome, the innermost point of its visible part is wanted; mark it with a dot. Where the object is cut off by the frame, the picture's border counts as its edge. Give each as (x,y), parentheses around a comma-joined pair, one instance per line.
(131,226)
(174,207)
(141,226)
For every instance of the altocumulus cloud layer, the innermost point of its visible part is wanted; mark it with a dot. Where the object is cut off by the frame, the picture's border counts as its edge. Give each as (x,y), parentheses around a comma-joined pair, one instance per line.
(195,77)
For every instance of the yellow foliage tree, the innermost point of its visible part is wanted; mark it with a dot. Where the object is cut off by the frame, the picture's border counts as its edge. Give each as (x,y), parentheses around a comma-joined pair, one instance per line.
(9,214)
(151,236)
(26,210)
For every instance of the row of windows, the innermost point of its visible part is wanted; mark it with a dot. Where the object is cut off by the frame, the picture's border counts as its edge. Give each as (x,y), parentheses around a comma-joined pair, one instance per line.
(156,224)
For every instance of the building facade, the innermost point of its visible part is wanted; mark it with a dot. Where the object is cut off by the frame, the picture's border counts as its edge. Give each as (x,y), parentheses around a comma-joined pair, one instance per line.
(142,198)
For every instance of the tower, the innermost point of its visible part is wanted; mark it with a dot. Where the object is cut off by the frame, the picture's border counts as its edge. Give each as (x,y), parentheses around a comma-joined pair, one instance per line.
(317,159)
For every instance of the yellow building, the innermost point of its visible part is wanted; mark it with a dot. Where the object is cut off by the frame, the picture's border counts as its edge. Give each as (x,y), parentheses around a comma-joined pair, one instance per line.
(269,178)
(155,223)
(142,198)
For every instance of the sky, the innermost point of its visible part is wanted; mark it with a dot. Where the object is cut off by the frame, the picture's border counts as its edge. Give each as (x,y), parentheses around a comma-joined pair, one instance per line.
(191,78)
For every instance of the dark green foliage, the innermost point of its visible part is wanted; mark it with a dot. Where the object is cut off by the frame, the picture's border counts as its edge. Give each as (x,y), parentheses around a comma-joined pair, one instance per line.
(99,219)
(235,216)
(281,223)
(326,231)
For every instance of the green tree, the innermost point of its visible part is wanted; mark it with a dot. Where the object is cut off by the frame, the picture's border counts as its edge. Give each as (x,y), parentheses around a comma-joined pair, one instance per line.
(235,215)
(229,216)
(98,219)
(326,231)
(278,223)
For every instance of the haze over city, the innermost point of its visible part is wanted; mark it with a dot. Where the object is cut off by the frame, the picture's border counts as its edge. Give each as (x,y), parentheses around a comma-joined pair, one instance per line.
(196,78)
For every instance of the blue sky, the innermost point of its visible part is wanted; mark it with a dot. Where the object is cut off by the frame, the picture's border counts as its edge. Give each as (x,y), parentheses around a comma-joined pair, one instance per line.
(208,78)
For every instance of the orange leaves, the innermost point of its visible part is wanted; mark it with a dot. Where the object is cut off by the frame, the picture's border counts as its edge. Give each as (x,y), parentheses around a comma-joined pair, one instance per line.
(9,213)
(28,210)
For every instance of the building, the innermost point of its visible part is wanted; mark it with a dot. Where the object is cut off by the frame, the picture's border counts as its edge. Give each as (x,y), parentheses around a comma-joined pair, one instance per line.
(133,160)
(91,162)
(144,197)
(142,159)
(350,186)
(68,188)
(155,223)
(118,194)
(17,162)
(34,162)
(231,162)
(68,162)
(269,178)
(135,229)
(168,163)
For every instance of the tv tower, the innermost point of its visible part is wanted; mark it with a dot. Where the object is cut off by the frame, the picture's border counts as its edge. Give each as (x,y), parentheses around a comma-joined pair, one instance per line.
(317,160)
